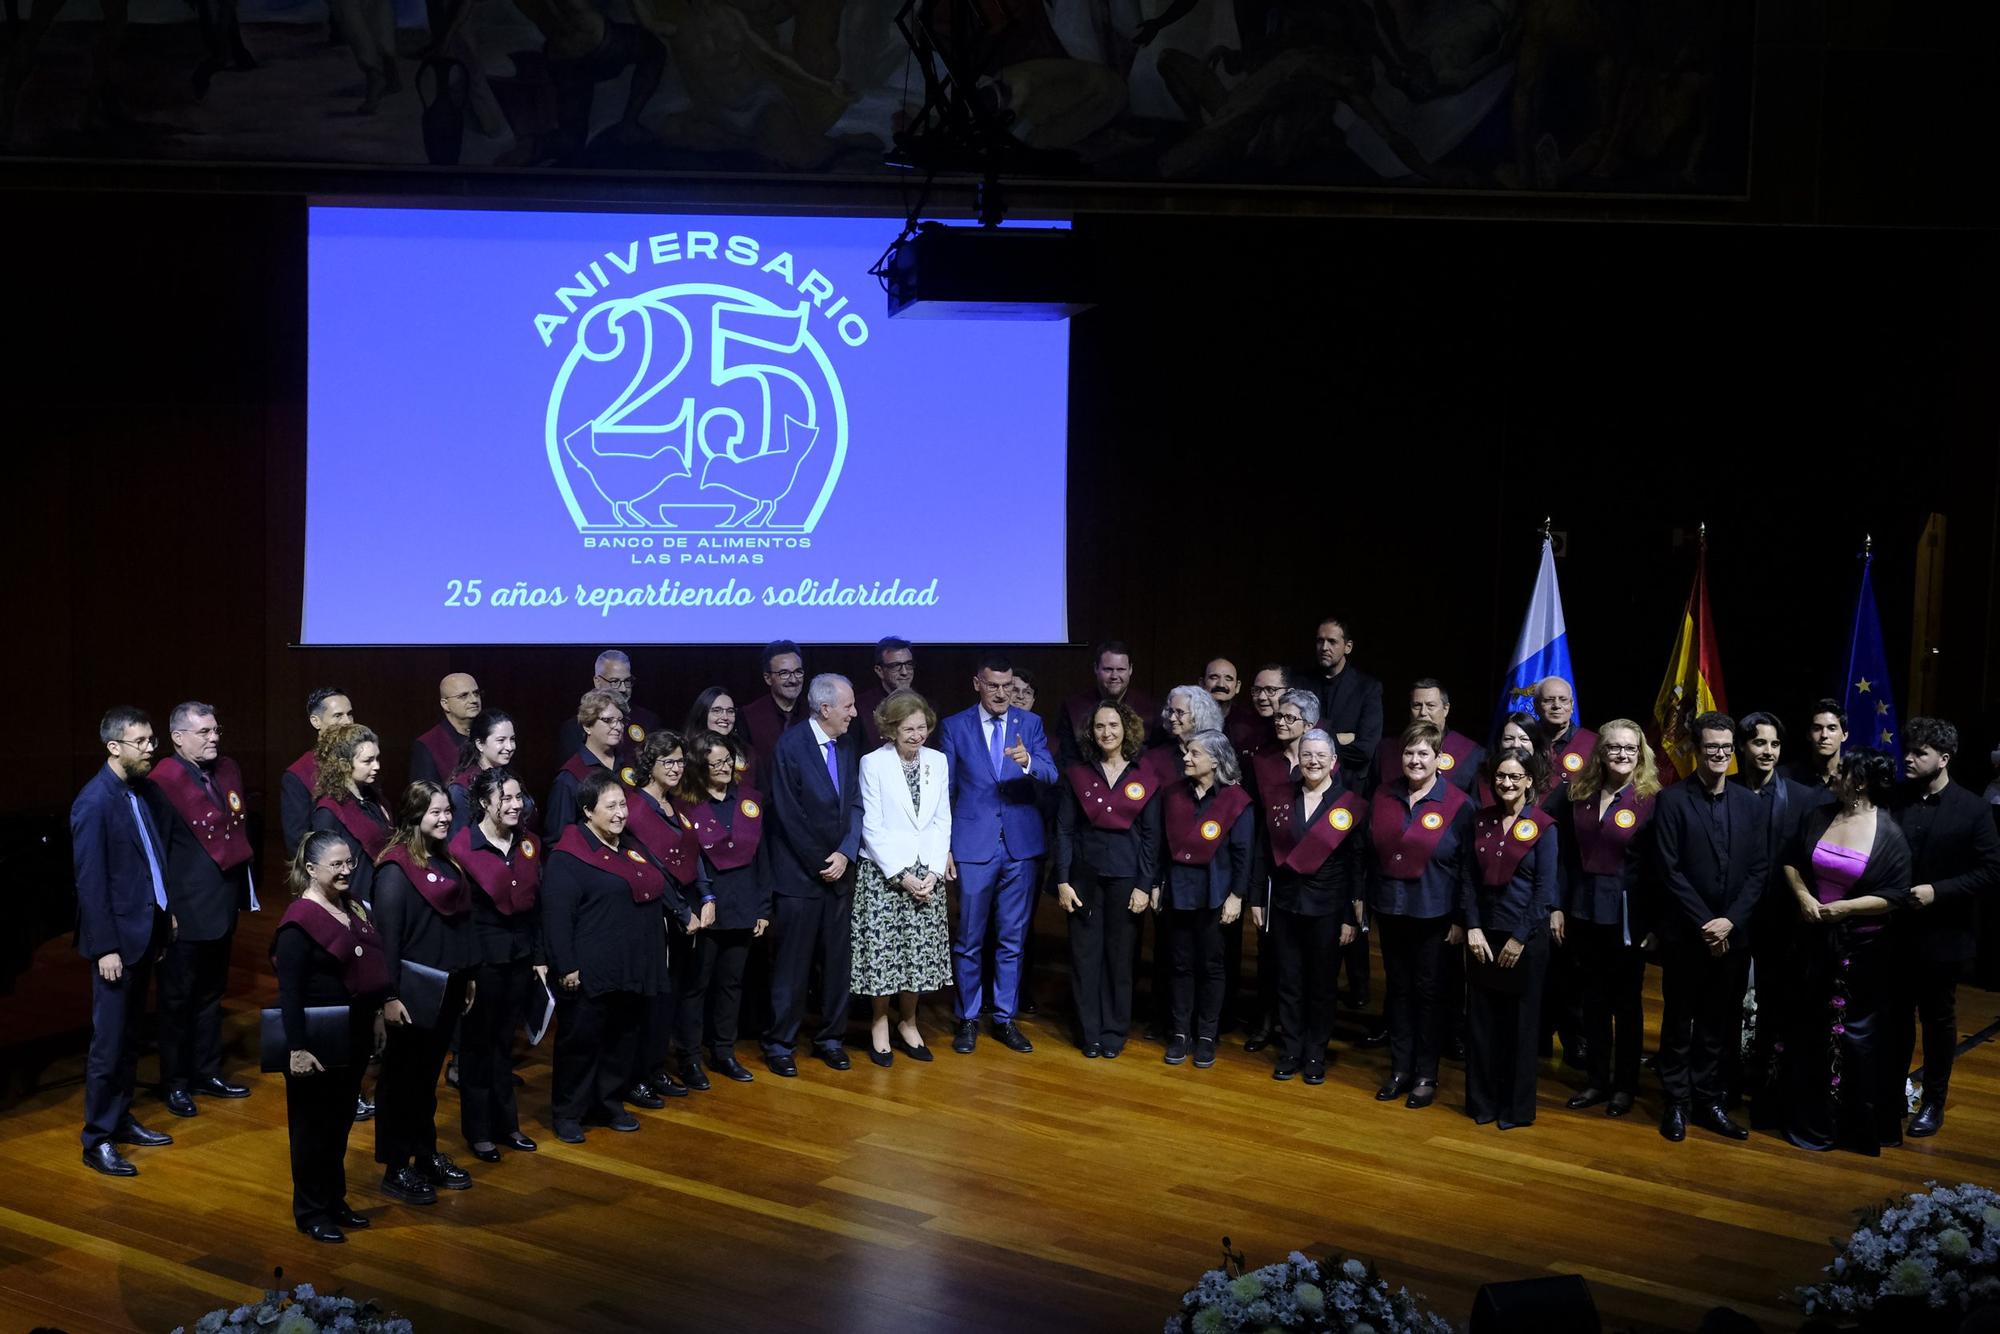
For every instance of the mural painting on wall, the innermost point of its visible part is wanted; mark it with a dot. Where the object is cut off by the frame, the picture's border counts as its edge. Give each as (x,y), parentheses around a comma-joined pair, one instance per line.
(1574,95)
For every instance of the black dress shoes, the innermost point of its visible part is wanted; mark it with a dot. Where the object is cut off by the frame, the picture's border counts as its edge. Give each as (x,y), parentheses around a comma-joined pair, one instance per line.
(1673,1125)
(918,1052)
(881,1058)
(622,1121)
(364,1110)
(1716,1119)
(325,1231)
(216,1087)
(1113,1050)
(1928,1120)
(1204,1053)
(1259,1039)
(1377,1034)
(347,1218)
(1422,1094)
(489,1154)
(781,1063)
(731,1068)
(667,1086)
(694,1076)
(181,1103)
(1315,1072)
(642,1095)
(1620,1104)
(1092,1051)
(1177,1047)
(1398,1085)
(520,1143)
(408,1185)
(569,1132)
(1590,1097)
(443,1173)
(834,1055)
(105,1158)
(131,1132)
(1514,1125)
(1285,1069)
(965,1037)
(1012,1038)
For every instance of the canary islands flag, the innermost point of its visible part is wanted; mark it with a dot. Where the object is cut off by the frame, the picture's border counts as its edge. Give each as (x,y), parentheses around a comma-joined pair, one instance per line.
(1693,684)
(1543,646)
(1870,703)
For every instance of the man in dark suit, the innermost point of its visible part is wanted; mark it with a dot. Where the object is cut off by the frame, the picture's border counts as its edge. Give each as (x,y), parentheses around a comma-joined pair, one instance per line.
(815,792)
(1350,700)
(327,706)
(121,925)
(1714,853)
(895,669)
(197,799)
(999,763)
(1954,869)
(769,716)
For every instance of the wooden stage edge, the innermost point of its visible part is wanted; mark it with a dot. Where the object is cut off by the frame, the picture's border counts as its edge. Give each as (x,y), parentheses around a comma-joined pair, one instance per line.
(985,1192)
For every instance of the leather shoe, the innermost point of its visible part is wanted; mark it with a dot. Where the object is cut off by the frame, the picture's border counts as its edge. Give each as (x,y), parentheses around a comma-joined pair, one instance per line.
(667,1086)
(1286,1068)
(1673,1125)
(1092,1051)
(1315,1072)
(1113,1050)
(1398,1085)
(1716,1119)
(782,1063)
(443,1173)
(881,1058)
(489,1154)
(1514,1125)
(1376,1036)
(181,1103)
(131,1132)
(1454,1050)
(1620,1104)
(920,1052)
(834,1055)
(1176,1049)
(965,1037)
(1204,1053)
(347,1218)
(520,1143)
(1012,1038)
(1590,1097)
(408,1185)
(1258,1040)
(216,1087)
(364,1110)
(623,1122)
(731,1068)
(569,1132)
(326,1231)
(1422,1094)
(694,1076)
(105,1158)
(1928,1120)
(642,1095)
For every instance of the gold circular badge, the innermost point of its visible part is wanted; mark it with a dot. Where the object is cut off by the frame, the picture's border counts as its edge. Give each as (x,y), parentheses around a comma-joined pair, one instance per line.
(527,847)
(636,855)
(1432,820)
(750,808)
(1211,830)
(1341,819)
(686,823)
(236,802)
(1135,792)
(628,776)
(1625,819)
(1447,762)
(1525,831)
(636,732)
(1572,761)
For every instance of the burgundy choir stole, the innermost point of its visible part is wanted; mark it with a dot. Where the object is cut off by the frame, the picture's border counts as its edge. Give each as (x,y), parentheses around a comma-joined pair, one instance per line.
(1112,806)
(582,764)
(1193,835)
(439,881)
(364,822)
(1403,846)
(1501,841)
(733,847)
(513,886)
(364,968)
(1336,818)
(646,881)
(666,834)
(1601,841)
(216,819)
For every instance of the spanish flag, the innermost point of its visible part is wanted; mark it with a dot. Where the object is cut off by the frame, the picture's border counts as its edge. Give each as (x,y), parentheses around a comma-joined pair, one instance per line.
(1694,676)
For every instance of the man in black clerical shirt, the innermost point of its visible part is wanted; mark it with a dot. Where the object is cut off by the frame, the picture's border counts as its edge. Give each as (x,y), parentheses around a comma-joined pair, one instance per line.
(1825,738)
(1954,869)
(1350,700)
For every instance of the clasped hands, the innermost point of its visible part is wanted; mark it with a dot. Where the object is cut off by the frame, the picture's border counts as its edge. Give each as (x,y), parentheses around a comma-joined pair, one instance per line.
(919,887)
(1509,955)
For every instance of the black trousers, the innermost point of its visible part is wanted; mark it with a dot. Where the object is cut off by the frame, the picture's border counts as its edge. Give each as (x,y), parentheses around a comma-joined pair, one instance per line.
(1413,963)
(319,1114)
(1703,1018)
(1779,974)
(1232,971)
(116,1011)
(193,976)
(406,1091)
(1502,1036)
(1305,959)
(1562,997)
(597,1040)
(1101,933)
(1614,1016)
(663,1007)
(486,1106)
(711,992)
(1927,992)
(1354,959)
(818,929)
(1193,940)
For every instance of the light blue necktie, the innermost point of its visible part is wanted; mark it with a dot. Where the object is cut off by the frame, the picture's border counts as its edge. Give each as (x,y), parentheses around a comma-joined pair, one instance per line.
(833,767)
(146,842)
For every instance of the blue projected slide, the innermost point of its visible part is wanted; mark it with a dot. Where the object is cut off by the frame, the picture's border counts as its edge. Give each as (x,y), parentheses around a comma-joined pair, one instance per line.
(555,428)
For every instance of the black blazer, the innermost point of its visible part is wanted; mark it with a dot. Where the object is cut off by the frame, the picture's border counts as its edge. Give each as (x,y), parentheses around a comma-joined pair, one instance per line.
(115,907)
(1955,850)
(1350,702)
(1084,852)
(1887,873)
(1694,888)
(809,821)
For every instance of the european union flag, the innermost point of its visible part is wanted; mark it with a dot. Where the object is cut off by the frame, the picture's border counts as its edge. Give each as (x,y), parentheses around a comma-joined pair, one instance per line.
(1870,703)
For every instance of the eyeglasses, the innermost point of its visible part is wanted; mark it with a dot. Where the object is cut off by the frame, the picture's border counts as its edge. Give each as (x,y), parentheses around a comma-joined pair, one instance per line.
(677,762)
(1267,690)
(796,673)
(347,864)
(148,744)
(1621,750)
(1291,718)
(604,680)
(1722,749)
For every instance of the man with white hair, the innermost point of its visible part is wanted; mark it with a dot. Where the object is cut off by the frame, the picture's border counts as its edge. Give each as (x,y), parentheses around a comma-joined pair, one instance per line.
(613,673)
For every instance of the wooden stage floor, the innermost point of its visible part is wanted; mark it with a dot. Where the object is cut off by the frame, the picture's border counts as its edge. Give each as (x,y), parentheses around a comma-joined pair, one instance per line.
(984,1192)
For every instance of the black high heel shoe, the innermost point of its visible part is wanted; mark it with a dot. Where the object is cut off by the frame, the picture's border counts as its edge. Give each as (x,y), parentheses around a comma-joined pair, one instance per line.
(881,1058)
(918,1052)
(489,1154)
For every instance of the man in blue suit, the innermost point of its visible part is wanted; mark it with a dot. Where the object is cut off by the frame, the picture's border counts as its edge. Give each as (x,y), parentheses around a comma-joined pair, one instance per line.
(999,759)
(814,786)
(121,927)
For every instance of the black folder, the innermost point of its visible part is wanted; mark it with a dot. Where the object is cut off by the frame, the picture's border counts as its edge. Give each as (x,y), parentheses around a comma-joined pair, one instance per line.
(327,1037)
(422,993)
(541,1009)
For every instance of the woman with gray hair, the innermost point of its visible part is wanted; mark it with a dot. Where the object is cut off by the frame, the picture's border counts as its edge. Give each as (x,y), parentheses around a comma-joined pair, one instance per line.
(1274,767)
(1208,825)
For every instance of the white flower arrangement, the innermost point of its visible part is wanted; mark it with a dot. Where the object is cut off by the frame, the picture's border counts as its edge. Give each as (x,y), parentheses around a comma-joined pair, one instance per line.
(1344,1296)
(301,1311)
(1937,1248)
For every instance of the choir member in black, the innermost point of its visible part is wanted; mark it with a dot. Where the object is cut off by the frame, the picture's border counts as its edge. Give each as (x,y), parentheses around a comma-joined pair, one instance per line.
(1713,854)
(423,908)
(603,723)
(1249,730)
(1562,983)
(1505,893)
(1460,758)
(1568,743)
(1522,729)
(503,861)
(1826,734)
(1107,841)
(1604,816)
(1350,700)
(895,669)
(714,710)
(1208,830)
(612,674)
(328,706)
(1314,911)
(1777,934)
(197,799)
(326,954)
(1111,668)
(1847,871)
(728,818)
(346,802)
(434,755)
(1955,868)
(1419,833)
(602,924)
(489,745)
(1190,709)
(764,719)
(653,818)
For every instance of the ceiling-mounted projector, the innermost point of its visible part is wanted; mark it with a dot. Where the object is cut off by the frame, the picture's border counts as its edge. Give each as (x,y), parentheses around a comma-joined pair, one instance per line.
(989,273)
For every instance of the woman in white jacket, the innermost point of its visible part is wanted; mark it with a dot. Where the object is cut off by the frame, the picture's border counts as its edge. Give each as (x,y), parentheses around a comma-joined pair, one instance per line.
(902,941)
